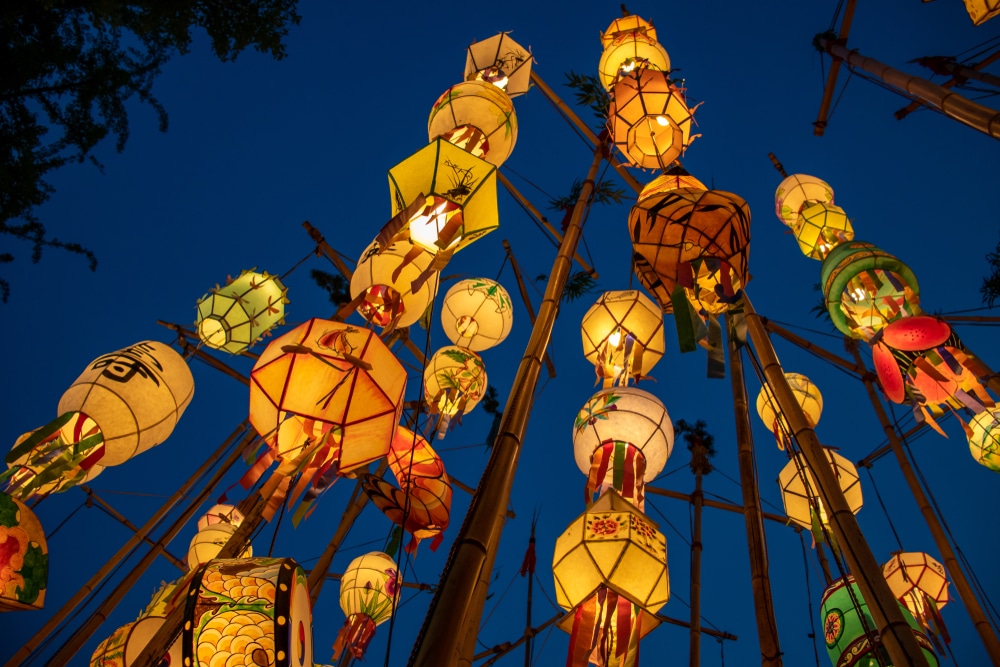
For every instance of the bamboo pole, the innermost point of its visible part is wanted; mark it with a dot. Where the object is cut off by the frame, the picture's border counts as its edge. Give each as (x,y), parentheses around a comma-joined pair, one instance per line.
(987,633)
(831,79)
(813,348)
(122,519)
(33,642)
(457,604)
(954,81)
(715,504)
(700,464)
(959,72)
(760,582)
(516,268)
(527,623)
(894,631)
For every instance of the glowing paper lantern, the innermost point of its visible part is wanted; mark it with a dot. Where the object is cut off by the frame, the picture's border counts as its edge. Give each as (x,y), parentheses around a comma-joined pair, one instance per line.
(369,594)
(981,11)
(845,617)
(649,119)
(398,283)
(649,279)
(807,395)
(984,443)
(56,457)
(800,493)
(234,317)
(622,336)
(501,61)
(225,514)
(208,542)
(250,611)
(920,583)
(477,314)
(454,382)
(673,179)
(24,557)
(867,288)
(630,44)
(135,395)
(797,192)
(342,383)
(821,228)
(126,644)
(477,117)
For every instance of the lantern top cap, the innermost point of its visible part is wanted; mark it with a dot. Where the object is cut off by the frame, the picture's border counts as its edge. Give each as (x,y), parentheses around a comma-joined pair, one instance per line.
(627,24)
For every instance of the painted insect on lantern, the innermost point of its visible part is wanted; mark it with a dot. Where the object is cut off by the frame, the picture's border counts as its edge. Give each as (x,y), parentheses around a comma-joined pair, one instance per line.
(369,595)
(233,317)
(622,336)
(24,557)
(454,383)
(807,395)
(477,314)
(501,61)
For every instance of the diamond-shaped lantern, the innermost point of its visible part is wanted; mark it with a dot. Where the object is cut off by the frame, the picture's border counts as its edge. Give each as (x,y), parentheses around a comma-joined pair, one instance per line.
(501,61)
(477,117)
(477,314)
(807,395)
(984,443)
(24,557)
(800,493)
(797,192)
(821,228)
(622,336)
(649,119)
(918,581)
(981,11)
(233,317)
(630,44)
(398,283)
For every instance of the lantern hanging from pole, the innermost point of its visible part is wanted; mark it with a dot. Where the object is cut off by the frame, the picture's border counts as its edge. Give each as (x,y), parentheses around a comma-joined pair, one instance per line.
(477,117)
(454,382)
(395,286)
(234,317)
(630,44)
(24,557)
(221,513)
(981,11)
(851,633)
(920,583)
(501,61)
(369,595)
(126,643)
(209,541)
(423,498)
(649,120)
(807,395)
(674,178)
(984,442)
(821,228)
(800,493)
(622,336)
(248,611)
(58,456)
(798,192)
(867,288)
(477,314)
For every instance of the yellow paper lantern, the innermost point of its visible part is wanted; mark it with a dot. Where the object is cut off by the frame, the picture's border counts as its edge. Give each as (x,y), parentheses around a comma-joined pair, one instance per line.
(612,544)
(630,44)
(135,395)
(674,178)
(800,494)
(501,61)
(24,557)
(984,443)
(235,316)
(369,595)
(55,457)
(981,11)
(208,542)
(797,192)
(821,228)
(398,283)
(649,119)
(477,117)
(916,579)
(221,513)
(446,197)
(807,395)
(477,314)
(334,378)
(622,336)
(454,382)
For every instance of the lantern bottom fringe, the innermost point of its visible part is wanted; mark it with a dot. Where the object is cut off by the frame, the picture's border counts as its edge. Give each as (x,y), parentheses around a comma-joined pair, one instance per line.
(355,636)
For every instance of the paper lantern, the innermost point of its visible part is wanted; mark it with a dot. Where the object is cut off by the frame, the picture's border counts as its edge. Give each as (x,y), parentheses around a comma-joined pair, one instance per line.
(797,192)
(444,196)
(851,633)
(866,288)
(649,120)
(477,117)
(55,457)
(234,317)
(630,44)
(208,542)
(339,381)
(622,336)
(249,611)
(800,493)
(673,179)
(398,283)
(807,395)
(136,395)
(24,557)
(369,594)
(126,644)
(649,279)
(454,382)
(919,582)
(501,61)
(984,443)
(222,513)
(821,228)
(981,11)
(477,314)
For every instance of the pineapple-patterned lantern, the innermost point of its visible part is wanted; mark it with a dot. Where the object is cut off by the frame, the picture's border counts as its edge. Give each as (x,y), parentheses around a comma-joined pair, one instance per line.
(477,314)
(629,45)
(920,583)
(807,395)
(24,557)
(478,117)
(500,61)
(397,284)
(234,316)
(984,441)
(649,120)
(622,336)
(454,382)
(798,192)
(800,493)
(369,595)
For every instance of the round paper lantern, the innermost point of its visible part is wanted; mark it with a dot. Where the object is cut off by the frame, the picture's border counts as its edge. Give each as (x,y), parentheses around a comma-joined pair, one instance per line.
(234,317)
(807,395)
(622,336)
(984,443)
(135,395)
(629,44)
(867,288)
(673,179)
(369,594)
(398,283)
(797,192)
(649,119)
(126,644)
(248,611)
(24,557)
(55,457)
(477,314)
(800,493)
(337,380)
(222,513)
(477,117)
(919,582)
(208,542)
(501,61)
(821,228)
(454,382)
(845,617)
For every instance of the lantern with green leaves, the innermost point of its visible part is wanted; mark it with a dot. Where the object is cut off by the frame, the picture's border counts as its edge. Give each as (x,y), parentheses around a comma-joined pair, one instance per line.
(984,441)
(369,595)
(477,314)
(454,382)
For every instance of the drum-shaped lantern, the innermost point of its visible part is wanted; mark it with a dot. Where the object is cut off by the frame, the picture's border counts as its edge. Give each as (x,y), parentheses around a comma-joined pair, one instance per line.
(984,443)
(629,45)
(821,228)
(398,283)
(649,119)
(477,117)
(622,336)
(24,557)
(369,595)
(235,316)
(500,61)
(797,192)
(918,581)
(800,493)
(477,314)
(807,395)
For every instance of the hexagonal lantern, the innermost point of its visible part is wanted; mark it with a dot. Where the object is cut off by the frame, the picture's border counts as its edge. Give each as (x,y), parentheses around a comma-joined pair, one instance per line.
(24,557)
(919,582)
(501,61)
(629,44)
(454,382)
(369,595)
(807,395)
(984,443)
(821,228)
(649,120)
(477,117)
(622,336)
(800,493)
(477,314)
(797,192)
(233,317)
(398,283)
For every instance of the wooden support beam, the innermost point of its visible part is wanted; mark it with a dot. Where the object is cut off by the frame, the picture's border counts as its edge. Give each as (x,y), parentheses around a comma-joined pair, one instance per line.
(118,516)
(951,83)
(522,288)
(831,78)
(708,502)
(849,366)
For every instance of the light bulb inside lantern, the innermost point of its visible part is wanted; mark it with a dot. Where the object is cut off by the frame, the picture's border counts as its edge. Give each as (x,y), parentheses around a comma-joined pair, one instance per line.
(493,75)
(426,226)
(615,339)
(662,121)
(859,294)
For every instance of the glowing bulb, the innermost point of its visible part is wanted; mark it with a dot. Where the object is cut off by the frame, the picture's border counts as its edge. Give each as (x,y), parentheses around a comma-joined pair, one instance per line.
(859,294)
(662,121)
(615,338)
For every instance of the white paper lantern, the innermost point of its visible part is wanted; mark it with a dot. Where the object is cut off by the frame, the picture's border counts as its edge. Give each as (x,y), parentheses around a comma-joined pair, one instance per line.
(477,117)
(477,314)
(390,283)
(795,193)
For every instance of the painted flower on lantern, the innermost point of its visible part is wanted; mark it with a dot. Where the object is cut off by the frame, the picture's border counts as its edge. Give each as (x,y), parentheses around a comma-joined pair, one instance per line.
(833,626)
(596,408)
(603,526)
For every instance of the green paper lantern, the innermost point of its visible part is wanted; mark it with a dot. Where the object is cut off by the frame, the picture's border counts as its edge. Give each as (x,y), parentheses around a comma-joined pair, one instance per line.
(234,317)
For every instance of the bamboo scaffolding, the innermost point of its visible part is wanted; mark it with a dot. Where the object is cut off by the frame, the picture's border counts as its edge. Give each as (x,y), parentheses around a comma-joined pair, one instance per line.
(715,504)
(831,79)
(954,81)
(522,288)
(120,518)
(699,462)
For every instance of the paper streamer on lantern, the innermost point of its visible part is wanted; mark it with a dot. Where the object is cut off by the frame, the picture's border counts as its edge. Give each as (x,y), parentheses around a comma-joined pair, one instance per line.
(55,457)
